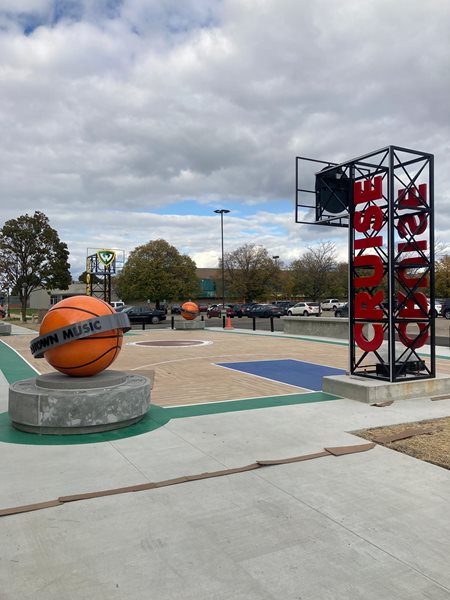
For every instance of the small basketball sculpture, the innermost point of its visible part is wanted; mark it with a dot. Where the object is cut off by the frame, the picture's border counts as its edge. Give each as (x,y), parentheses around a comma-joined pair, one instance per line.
(189,311)
(80,336)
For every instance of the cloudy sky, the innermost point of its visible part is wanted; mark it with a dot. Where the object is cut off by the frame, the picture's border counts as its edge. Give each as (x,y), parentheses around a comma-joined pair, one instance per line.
(131,120)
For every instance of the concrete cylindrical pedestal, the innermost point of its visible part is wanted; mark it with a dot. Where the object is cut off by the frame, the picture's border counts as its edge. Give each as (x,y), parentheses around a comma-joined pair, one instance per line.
(57,404)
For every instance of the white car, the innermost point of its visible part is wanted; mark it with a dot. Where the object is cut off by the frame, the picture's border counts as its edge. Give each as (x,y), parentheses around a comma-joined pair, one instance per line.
(304,309)
(437,307)
(331,304)
(117,304)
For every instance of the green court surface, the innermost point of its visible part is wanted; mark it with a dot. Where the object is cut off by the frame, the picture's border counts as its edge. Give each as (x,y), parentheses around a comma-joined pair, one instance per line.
(13,366)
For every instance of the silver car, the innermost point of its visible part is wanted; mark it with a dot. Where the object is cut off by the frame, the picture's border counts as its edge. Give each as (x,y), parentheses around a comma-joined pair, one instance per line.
(304,309)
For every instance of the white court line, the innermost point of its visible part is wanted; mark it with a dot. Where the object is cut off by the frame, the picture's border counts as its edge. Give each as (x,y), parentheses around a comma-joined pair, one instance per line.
(198,343)
(240,399)
(174,360)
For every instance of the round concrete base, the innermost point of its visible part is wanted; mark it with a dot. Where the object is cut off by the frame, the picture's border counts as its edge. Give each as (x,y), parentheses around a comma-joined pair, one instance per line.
(56,404)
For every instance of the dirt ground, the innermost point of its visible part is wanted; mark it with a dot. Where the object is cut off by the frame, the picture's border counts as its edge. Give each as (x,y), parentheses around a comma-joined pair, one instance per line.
(432,446)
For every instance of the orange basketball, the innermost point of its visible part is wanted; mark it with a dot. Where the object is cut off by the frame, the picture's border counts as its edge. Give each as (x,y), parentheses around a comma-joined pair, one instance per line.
(86,356)
(189,310)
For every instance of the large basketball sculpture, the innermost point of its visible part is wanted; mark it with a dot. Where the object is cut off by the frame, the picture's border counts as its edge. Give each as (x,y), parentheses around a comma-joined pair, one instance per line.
(79,337)
(79,355)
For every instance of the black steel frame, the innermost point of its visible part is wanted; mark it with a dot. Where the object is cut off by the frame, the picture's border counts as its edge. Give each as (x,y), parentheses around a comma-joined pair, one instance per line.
(95,268)
(399,169)
(321,217)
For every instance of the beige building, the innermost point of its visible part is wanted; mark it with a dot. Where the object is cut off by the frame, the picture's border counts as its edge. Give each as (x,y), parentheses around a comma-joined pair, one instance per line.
(42,299)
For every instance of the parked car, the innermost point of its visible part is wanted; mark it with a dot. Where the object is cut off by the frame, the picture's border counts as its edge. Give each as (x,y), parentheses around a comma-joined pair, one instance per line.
(117,304)
(203,307)
(331,304)
(265,310)
(304,309)
(144,314)
(342,311)
(232,310)
(176,309)
(445,308)
(247,307)
(437,306)
(237,310)
(122,308)
(218,310)
(285,305)
(2,312)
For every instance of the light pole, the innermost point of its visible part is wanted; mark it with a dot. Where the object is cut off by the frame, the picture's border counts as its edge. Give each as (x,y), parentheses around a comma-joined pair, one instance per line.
(221,212)
(275,258)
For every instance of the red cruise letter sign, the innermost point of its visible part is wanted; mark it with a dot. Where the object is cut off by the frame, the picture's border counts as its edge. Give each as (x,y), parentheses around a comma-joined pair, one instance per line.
(388,195)
(368,265)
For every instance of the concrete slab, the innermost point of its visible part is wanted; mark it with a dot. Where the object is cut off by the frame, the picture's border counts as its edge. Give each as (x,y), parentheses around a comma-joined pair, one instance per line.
(20,330)
(321,327)
(194,325)
(292,430)
(5,329)
(363,526)
(348,527)
(361,488)
(370,390)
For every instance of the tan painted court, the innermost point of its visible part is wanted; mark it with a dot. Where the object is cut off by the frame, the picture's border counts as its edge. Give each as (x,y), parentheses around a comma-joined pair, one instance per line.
(189,374)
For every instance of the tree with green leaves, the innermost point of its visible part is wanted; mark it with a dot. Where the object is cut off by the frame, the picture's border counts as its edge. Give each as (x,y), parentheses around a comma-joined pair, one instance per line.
(316,272)
(250,272)
(32,256)
(442,277)
(82,278)
(339,281)
(157,272)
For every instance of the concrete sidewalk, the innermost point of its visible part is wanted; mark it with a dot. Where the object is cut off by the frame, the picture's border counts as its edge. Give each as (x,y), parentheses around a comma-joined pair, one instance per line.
(372,525)
(20,330)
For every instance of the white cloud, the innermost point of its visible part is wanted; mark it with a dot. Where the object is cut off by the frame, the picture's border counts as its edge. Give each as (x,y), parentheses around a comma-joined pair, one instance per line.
(116,109)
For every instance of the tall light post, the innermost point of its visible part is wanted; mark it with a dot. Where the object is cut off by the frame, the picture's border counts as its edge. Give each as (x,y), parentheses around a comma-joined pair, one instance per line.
(275,258)
(221,212)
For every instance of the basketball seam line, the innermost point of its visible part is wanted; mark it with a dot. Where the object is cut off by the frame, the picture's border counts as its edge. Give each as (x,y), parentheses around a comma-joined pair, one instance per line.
(89,312)
(93,338)
(88,363)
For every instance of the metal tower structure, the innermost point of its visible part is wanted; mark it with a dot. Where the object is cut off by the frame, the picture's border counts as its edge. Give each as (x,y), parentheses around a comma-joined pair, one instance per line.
(385,198)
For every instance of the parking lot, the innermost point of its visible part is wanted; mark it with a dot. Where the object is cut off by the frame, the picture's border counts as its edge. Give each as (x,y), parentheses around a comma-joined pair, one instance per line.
(442,325)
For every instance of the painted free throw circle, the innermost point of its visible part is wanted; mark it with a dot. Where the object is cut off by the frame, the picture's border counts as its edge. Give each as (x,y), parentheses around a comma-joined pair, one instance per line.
(171,343)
